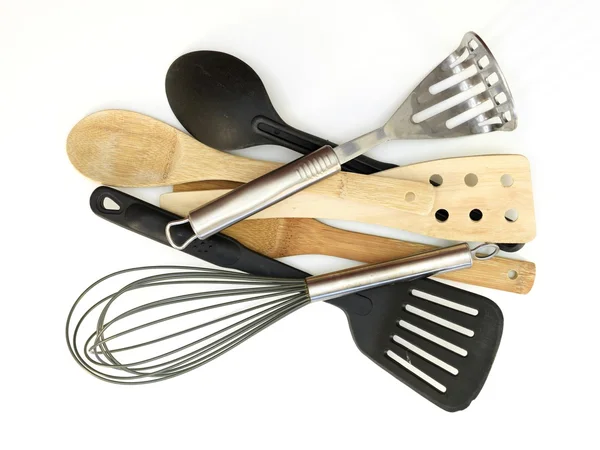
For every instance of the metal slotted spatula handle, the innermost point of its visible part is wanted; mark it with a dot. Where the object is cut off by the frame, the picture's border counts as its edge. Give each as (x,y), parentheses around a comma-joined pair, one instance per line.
(258,194)
(272,188)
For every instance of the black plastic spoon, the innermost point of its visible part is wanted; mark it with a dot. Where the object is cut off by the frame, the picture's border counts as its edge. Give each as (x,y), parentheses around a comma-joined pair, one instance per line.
(221,101)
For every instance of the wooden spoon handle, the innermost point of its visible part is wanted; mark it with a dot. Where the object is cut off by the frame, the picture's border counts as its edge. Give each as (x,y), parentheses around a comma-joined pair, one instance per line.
(278,238)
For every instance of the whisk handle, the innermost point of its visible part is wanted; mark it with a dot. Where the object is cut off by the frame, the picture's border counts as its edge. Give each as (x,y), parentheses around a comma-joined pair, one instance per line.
(344,282)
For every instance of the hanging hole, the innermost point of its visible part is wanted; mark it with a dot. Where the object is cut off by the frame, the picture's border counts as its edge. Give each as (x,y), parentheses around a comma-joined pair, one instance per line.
(492,79)
(442,215)
(475,215)
(436,180)
(110,205)
(483,62)
(471,179)
(513,274)
(506,180)
(410,197)
(511,215)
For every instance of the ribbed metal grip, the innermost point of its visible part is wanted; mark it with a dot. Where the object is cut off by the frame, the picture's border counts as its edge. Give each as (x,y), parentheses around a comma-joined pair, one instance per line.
(263,192)
(344,282)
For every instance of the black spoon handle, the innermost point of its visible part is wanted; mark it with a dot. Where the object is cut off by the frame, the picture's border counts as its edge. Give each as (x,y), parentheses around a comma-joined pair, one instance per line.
(286,136)
(150,221)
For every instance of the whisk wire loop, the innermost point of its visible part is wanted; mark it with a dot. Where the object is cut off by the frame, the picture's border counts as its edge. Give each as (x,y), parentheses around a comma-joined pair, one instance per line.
(251,305)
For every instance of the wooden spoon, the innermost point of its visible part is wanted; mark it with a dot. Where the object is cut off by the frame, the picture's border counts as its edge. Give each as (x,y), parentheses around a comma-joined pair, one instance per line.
(127,149)
(278,238)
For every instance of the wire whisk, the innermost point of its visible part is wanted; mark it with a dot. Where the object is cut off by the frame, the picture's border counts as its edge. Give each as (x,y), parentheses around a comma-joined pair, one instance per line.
(142,333)
(264,301)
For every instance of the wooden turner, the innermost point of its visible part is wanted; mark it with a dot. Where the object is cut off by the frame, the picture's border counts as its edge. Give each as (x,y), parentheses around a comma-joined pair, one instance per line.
(477,198)
(278,238)
(127,149)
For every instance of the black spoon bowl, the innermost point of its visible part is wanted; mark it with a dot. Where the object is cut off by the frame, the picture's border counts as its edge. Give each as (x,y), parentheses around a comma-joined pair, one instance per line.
(221,101)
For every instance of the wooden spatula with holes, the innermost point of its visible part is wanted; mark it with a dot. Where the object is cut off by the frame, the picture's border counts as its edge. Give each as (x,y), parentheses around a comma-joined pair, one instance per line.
(477,198)
(278,238)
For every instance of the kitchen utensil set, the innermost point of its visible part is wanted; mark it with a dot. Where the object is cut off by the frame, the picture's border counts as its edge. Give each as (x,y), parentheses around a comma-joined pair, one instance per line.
(239,213)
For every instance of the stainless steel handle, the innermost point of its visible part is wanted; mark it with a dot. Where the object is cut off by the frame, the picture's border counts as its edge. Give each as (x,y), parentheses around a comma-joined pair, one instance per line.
(344,282)
(259,194)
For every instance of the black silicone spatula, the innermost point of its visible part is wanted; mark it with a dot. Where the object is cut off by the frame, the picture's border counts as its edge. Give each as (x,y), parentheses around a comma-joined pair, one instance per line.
(221,101)
(439,340)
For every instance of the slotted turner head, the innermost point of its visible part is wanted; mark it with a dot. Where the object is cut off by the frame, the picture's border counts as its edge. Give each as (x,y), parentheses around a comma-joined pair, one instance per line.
(465,94)
(439,340)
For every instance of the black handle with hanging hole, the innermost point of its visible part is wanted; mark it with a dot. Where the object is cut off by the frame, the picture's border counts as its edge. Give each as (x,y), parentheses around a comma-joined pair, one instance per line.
(150,221)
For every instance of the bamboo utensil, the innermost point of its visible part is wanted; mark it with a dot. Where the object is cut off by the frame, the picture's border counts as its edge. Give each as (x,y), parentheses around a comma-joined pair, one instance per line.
(279,238)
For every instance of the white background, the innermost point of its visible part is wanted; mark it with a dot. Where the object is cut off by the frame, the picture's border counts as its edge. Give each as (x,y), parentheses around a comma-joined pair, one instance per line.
(336,69)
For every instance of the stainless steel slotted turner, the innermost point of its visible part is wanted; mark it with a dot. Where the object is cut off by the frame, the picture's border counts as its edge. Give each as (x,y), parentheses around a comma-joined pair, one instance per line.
(465,94)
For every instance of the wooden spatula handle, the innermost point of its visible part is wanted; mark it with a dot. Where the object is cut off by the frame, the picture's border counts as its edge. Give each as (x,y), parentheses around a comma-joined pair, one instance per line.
(279,238)
(313,237)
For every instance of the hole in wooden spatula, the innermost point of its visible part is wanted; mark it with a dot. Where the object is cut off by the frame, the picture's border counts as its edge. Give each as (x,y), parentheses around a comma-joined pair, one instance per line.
(471,179)
(475,215)
(511,215)
(513,274)
(410,197)
(110,205)
(506,180)
(442,215)
(436,180)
